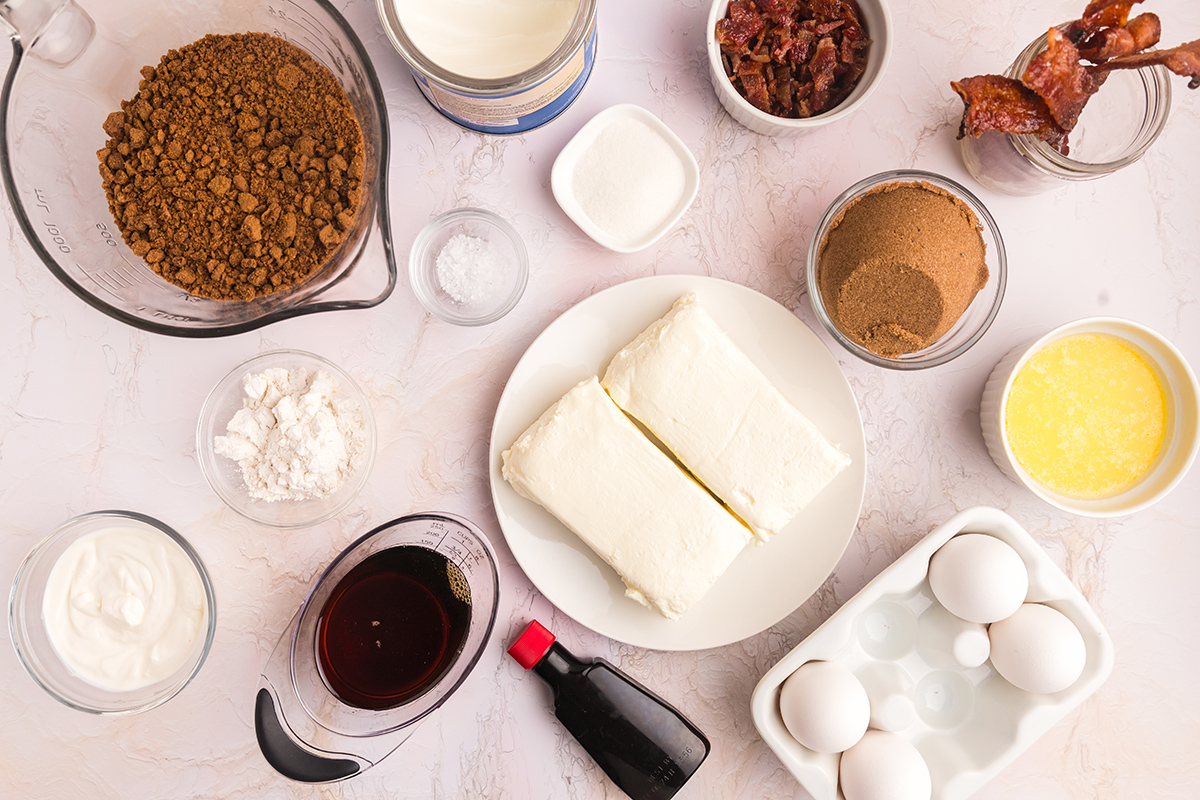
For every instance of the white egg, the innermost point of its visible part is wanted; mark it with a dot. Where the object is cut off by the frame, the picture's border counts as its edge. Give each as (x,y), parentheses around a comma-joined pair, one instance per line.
(978,578)
(1037,649)
(884,766)
(824,706)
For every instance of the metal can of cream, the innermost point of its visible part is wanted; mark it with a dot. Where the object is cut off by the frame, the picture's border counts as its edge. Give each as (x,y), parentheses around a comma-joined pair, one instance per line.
(491,68)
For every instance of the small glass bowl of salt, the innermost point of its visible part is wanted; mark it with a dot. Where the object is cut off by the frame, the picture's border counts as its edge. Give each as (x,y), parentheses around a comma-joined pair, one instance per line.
(468,267)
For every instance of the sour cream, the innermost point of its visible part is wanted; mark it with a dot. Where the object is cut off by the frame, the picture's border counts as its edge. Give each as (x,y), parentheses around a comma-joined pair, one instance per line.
(124,607)
(486,39)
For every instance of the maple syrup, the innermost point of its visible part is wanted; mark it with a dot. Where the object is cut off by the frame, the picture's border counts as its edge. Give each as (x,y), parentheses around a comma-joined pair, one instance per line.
(392,627)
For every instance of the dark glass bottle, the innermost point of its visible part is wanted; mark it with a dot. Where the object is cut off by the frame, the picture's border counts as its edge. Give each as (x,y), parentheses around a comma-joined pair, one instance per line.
(645,746)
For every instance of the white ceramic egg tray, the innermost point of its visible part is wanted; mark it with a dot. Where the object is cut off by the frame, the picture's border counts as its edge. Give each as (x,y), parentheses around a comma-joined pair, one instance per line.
(968,723)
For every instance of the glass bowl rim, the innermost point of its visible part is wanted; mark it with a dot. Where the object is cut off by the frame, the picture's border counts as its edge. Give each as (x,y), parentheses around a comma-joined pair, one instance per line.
(68,527)
(1000,276)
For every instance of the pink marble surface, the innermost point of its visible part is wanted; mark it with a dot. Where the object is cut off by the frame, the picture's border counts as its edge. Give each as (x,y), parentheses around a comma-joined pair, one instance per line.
(94,414)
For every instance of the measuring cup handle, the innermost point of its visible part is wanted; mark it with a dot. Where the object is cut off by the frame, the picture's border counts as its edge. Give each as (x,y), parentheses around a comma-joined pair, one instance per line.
(282,752)
(56,31)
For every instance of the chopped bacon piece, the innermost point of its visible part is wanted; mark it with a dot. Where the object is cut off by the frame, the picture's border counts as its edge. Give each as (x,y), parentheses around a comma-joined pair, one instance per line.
(1058,77)
(799,49)
(827,9)
(742,25)
(996,103)
(1182,60)
(778,11)
(754,83)
(823,63)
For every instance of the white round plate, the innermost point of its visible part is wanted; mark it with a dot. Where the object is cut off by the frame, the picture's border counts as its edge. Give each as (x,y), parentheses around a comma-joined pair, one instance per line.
(765,583)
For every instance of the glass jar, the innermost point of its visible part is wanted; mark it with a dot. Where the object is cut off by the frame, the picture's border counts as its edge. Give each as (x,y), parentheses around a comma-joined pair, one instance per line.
(1116,128)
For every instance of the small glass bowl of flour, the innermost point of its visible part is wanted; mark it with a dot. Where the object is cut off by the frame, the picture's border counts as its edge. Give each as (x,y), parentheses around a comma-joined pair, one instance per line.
(468,267)
(286,439)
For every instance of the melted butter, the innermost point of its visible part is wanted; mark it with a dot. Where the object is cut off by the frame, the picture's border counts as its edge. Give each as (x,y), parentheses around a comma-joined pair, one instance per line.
(1086,416)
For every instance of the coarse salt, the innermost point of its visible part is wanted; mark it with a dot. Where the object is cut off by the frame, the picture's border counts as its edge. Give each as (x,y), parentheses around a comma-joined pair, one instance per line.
(470,269)
(629,181)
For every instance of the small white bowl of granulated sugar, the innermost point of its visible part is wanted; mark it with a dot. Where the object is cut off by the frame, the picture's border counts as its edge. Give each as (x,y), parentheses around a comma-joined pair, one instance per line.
(468,267)
(625,179)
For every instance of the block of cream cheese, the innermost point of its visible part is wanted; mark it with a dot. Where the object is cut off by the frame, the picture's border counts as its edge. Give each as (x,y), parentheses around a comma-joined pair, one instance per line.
(685,380)
(589,465)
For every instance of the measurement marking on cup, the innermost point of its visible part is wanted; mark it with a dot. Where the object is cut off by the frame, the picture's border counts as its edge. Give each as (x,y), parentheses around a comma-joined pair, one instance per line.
(52,231)
(106,234)
(56,236)
(112,282)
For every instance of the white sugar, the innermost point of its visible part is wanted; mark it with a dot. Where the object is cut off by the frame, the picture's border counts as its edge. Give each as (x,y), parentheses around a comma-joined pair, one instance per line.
(470,269)
(629,181)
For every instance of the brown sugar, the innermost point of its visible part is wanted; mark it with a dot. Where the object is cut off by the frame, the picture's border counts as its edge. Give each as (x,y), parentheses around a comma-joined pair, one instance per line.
(900,265)
(236,170)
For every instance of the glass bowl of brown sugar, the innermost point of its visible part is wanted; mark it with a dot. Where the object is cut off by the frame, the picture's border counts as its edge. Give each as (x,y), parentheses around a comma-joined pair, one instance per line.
(907,269)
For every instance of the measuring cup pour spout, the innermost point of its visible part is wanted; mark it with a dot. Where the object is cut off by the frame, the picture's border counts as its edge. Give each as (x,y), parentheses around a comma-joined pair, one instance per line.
(56,31)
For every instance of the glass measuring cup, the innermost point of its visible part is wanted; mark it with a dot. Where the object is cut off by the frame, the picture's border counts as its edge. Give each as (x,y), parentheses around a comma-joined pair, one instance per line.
(73,64)
(304,729)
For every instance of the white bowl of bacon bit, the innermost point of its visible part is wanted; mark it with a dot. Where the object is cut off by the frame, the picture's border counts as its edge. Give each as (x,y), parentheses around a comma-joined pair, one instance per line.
(784,67)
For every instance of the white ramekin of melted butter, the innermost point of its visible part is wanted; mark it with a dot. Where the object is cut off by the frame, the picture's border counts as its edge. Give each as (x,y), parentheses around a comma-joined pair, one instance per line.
(1100,417)
(495,67)
(112,613)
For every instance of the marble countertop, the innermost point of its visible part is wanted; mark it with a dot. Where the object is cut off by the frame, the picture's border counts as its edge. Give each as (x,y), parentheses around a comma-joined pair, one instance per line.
(95,414)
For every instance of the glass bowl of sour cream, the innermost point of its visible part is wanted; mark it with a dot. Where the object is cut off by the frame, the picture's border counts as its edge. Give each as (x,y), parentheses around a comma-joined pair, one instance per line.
(112,613)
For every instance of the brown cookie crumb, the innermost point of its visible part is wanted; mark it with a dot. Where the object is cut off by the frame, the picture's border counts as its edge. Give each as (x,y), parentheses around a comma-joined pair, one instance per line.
(226,168)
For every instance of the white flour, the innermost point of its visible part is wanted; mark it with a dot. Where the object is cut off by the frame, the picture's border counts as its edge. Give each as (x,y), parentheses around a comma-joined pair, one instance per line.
(295,437)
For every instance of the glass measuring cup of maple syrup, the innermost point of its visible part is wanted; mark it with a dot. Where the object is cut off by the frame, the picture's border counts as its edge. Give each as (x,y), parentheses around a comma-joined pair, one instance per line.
(73,63)
(393,625)
(389,631)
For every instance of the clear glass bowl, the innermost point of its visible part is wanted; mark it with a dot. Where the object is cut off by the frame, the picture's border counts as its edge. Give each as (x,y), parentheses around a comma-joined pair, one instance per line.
(61,85)
(510,278)
(974,322)
(225,476)
(32,642)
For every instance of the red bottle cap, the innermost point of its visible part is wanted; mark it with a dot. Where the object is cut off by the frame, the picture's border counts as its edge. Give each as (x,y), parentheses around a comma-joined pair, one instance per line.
(531,645)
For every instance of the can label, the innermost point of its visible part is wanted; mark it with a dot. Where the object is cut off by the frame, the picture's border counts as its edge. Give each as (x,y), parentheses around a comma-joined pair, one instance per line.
(518,111)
